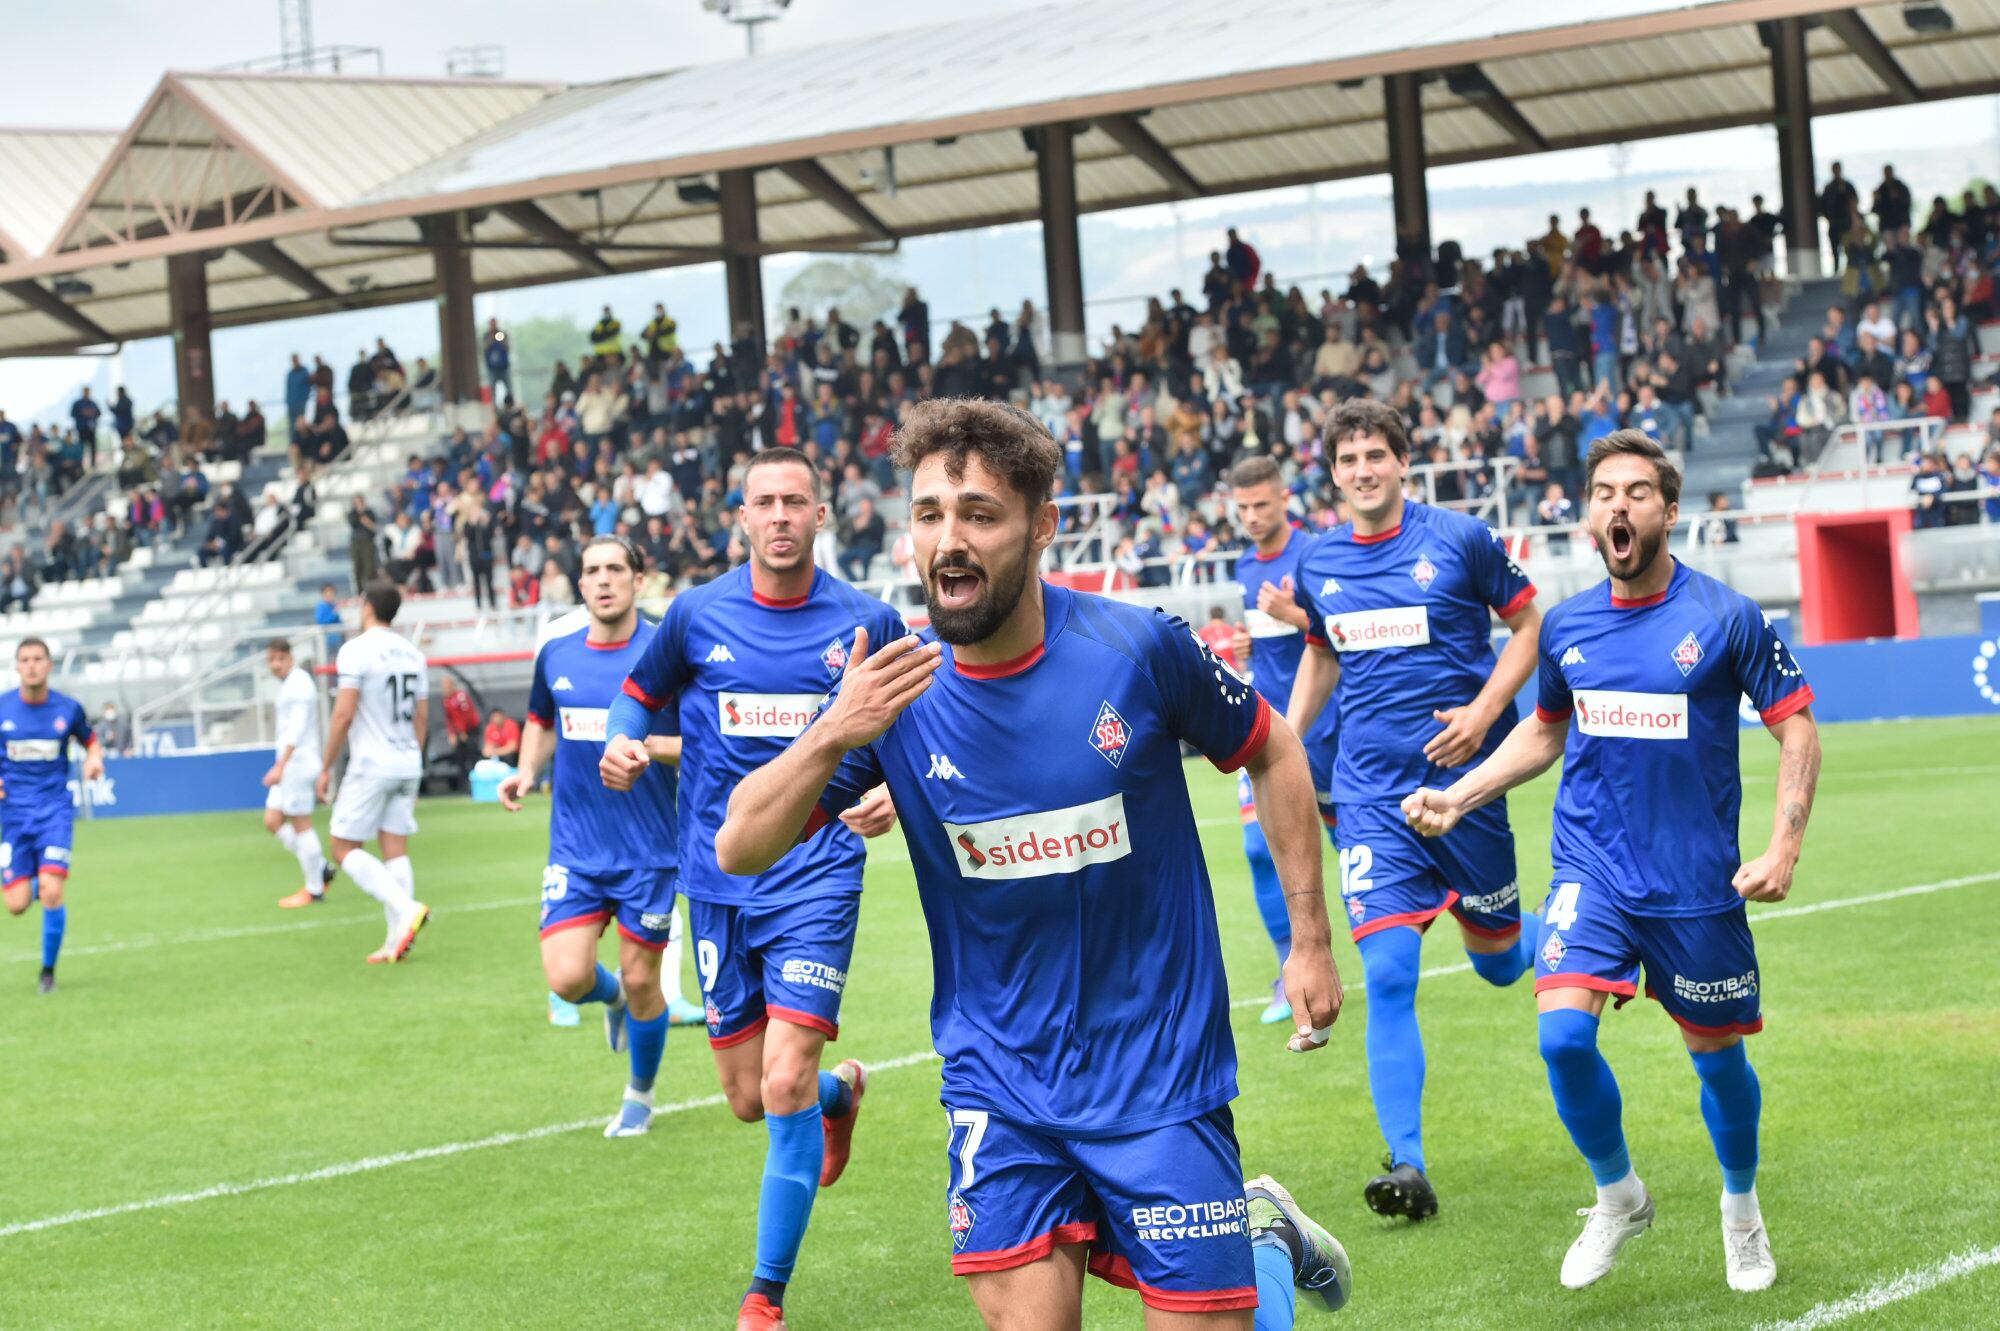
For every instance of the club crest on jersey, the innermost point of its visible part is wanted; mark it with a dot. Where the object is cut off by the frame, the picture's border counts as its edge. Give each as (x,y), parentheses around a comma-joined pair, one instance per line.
(1687,653)
(61,725)
(1424,572)
(1357,908)
(1553,951)
(1109,734)
(834,658)
(961,1218)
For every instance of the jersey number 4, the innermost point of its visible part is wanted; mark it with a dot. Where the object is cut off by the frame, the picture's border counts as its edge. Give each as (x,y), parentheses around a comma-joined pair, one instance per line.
(402,695)
(1561,910)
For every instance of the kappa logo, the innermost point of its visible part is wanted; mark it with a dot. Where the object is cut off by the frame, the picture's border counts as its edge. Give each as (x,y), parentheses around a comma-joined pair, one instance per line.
(834,658)
(1424,572)
(6,725)
(943,769)
(1574,656)
(1687,653)
(1109,734)
(1331,587)
(719,653)
(562,685)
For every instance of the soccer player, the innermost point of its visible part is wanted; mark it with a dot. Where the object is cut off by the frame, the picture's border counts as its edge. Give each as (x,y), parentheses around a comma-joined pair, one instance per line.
(1640,681)
(384,700)
(746,660)
(608,858)
(288,809)
(36,814)
(1273,640)
(1405,595)
(1033,749)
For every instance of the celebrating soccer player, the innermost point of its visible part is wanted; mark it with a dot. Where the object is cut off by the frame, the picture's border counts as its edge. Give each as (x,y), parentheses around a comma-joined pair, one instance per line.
(609,858)
(288,809)
(384,699)
(1273,634)
(747,659)
(1033,749)
(1405,595)
(36,815)
(1640,681)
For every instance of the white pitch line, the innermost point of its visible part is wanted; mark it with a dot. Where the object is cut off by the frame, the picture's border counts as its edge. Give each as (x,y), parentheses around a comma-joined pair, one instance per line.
(1916,890)
(220,935)
(1889,1291)
(375,1162)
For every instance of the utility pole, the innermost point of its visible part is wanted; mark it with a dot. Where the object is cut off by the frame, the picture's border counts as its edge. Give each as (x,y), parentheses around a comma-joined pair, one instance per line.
(749,15)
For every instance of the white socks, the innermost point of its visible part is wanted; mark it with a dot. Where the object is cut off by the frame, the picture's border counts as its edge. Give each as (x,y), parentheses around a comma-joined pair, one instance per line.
(406,876)
(1624,1196)
(670,960)
(288,837)
(374,878)
(1740,1208)
(312,860)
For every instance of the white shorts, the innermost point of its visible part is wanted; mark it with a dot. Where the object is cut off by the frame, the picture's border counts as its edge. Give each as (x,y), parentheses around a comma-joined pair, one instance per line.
(294,796)
(367,806)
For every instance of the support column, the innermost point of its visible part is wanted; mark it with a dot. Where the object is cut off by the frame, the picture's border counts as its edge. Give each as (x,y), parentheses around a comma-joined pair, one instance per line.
(187,310)
(1403,112)
(1791,113)
(458,330)
(742,268)
(1062,247)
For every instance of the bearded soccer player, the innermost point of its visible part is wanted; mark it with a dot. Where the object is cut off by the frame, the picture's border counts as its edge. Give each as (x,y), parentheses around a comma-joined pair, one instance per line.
(1640,681)
(36,813)
(745,661)
(1272,640)
(1033,749)
(1405,594)
(288,809)
(610,858)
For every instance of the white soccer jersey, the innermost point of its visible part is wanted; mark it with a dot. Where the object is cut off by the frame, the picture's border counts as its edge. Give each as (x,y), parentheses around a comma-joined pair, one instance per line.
(389,674)
(298,721)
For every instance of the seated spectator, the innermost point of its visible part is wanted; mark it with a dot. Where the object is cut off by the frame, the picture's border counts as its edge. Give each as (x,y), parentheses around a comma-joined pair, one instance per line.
(1714,527)
(222,538)
(556,588)
(523,588)
(1963,507)
(18,583)
(1554,510)
(1499,376)
(503,738)
(862,534)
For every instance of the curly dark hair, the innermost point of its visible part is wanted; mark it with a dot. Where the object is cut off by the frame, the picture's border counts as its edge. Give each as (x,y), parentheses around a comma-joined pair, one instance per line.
(1364,416)
(1006,439)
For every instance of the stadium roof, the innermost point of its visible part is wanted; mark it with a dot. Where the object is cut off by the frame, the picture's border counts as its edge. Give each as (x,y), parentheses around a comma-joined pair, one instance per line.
(309,188)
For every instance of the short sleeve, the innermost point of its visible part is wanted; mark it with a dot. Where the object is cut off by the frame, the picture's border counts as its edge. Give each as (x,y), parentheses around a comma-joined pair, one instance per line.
(1500,582)
(80,727)
(662,671)
(1208,704)
(1306,601)
(348,665)
(1552,696)
(860,771)
(541,702)
(1767,672)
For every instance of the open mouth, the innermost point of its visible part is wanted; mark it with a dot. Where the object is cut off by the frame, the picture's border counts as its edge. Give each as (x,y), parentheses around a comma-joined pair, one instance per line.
(957,587)
(782,545)
(1619,533)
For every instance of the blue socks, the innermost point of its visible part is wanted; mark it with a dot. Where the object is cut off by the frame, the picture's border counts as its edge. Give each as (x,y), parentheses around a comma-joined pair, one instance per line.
(836,1097)
(1586,1093)
(1277,1301)
(53,922)
(1395,1045)
(606,988)
(645,1042)
(1270,893)
(1730,1103)
(791,1180)
(1498,968)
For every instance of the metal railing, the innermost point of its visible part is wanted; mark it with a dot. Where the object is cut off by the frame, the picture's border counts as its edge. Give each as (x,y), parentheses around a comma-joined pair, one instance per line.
(1928,430)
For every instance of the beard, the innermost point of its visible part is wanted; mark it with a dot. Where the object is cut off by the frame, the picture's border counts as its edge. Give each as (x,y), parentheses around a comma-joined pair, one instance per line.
(999,593)
(1645,548)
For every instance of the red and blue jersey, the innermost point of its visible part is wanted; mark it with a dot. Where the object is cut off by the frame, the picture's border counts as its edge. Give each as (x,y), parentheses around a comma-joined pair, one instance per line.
(745,673)
(1650,785)
(34,757)
(1276,648)
(591,828)
(1078,978)
(1409,612)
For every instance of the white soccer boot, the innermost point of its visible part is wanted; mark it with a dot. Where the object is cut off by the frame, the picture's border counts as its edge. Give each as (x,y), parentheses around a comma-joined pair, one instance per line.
(1746,1249)
(1604,1233)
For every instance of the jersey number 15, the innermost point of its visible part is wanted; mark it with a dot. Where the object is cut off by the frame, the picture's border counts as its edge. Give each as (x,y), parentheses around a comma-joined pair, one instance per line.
(402,695)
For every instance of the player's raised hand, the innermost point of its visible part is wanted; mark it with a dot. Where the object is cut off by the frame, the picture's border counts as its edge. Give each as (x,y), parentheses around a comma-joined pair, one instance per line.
(1276,600)
(625,760)
(1457,744)
(1766,878)
(1312,986)
(514,789)
(875,689)
(874,815)
(1430,812)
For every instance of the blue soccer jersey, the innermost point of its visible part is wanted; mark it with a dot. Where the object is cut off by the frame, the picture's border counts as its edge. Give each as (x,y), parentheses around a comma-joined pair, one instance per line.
(35,761)
(1409,611)
(1078,974)
(593,828)
(1276,648)
(745,674)
(1650,788)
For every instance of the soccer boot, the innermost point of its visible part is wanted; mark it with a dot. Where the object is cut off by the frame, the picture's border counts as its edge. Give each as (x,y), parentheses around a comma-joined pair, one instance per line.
(47,984)
(406,936)
(327,873)
(634,1116)
(840,1131)
(759,1314)
(1402,1191)
(562,1012)
(1604,1233)
(680,1012)
(1746,1250)
(1319,1264)
(1280,1008)
(305,896)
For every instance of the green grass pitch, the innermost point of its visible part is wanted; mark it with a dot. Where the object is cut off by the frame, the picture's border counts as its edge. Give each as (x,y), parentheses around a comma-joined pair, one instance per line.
(203,1041)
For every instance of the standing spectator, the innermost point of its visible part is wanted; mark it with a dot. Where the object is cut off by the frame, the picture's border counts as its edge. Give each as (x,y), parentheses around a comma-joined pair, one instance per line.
(1242,260)
(1691,221)
(1951,350)
(915,320)
(85,413)
(1838,205)
(124,416)
(607,336)
(326,614)
(499,357)
(1927,489)
(1964,489)
(1714,527)
(1891,204)
(363,533)
(298,393)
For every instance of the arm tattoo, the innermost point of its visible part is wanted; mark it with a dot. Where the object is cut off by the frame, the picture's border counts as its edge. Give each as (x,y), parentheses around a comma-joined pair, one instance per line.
(1798,779)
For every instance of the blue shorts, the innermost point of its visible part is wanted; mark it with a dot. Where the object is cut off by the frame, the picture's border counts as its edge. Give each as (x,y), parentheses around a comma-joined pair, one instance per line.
(34,849)
(1389,875)
(642,901)
(787,961)
(1701,968)
(1162,1210)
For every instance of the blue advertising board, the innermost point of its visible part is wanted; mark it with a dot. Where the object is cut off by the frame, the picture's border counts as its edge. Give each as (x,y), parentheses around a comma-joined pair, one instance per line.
(215,782)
